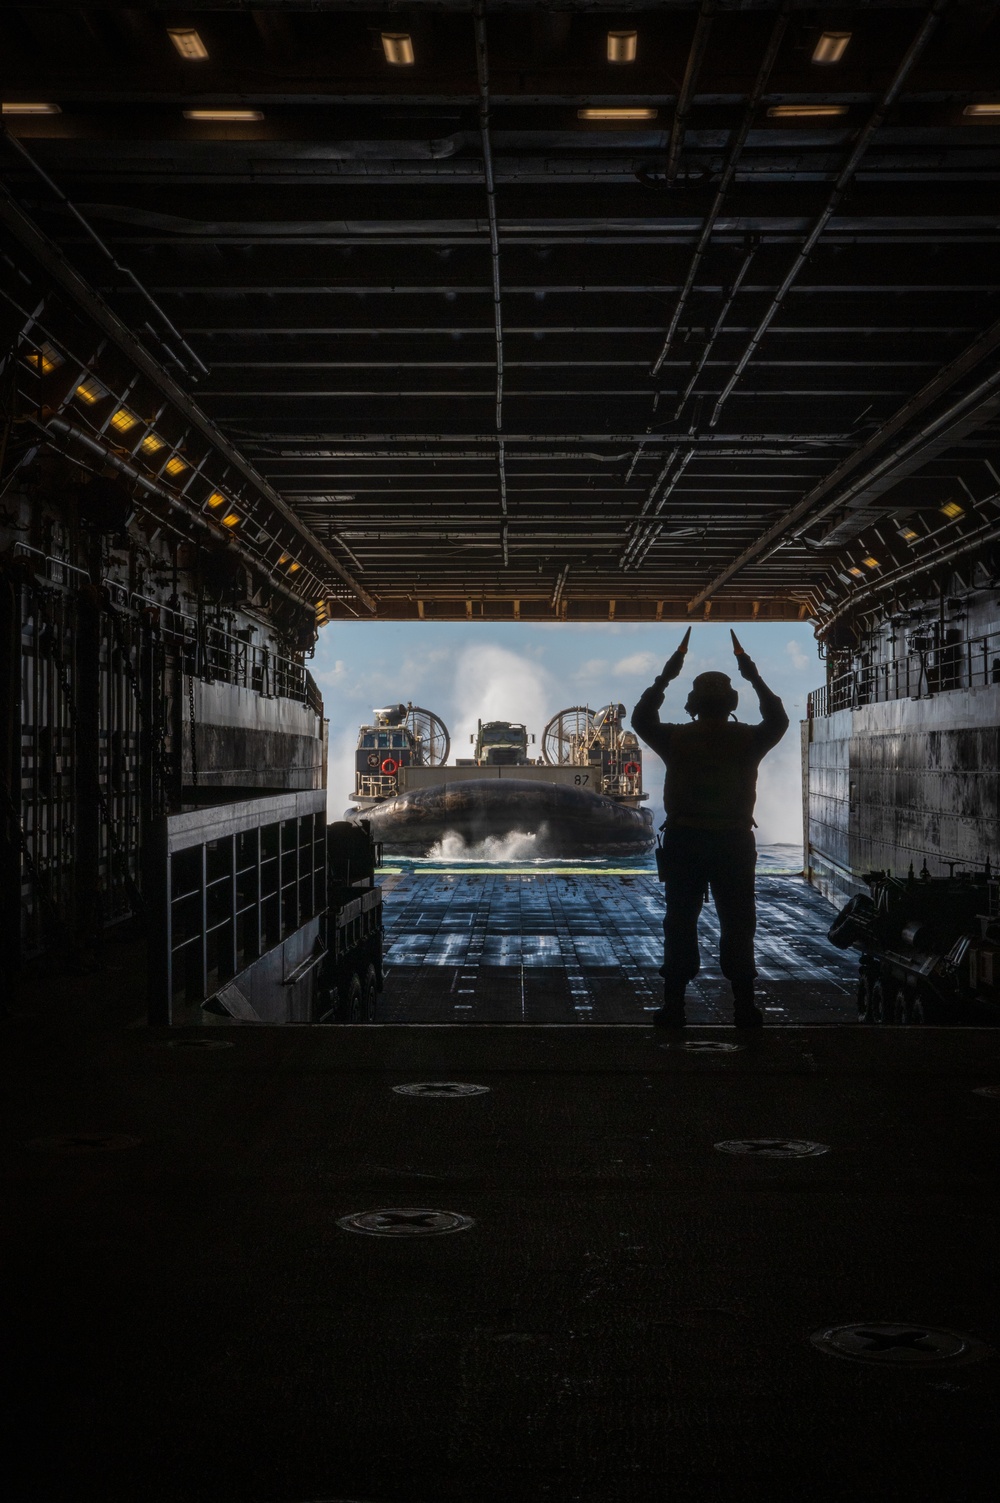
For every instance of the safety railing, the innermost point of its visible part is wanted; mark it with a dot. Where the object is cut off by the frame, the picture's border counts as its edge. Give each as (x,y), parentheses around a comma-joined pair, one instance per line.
(208,649)
(928,667)
(375,786)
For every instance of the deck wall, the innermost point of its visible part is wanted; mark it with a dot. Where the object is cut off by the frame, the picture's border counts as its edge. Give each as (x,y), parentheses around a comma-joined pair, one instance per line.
(900,782)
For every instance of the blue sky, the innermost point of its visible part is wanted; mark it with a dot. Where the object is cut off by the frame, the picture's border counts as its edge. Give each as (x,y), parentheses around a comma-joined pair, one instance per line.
(528,671)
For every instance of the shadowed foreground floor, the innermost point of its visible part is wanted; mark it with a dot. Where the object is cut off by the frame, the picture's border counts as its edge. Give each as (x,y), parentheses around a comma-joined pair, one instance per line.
(628,1318)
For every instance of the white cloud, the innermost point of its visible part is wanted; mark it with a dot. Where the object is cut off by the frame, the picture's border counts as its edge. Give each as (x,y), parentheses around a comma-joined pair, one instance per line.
(591,669)
(638,663)
(799,658)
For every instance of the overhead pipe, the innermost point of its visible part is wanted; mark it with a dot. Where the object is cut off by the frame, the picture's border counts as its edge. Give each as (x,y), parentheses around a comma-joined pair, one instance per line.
(483,77)
(728,172)
(716,331)
(685,99)
(861,144)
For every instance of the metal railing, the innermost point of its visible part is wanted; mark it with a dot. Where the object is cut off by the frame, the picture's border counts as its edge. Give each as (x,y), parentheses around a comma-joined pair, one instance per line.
(928,667)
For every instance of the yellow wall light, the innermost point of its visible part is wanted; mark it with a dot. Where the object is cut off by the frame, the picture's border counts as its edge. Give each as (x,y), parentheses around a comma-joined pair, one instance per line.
(622,46)
(616,112)
(188,43)
(16,107)
(397,47)
(805,111)
(831,46)
(224,115)
(90,391)
(45,359)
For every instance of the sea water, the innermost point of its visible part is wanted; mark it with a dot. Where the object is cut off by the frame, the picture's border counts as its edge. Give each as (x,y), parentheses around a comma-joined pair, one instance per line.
(513,854)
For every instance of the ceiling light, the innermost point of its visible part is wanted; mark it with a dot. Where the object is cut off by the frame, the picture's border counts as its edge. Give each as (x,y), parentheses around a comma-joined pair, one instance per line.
(91,390)
(284,558)
(614,112)
(871,563)
(621,46)
(223,115)
(188,43)
(45,359)
(398,48)
(982,110)
(175,465)
(231,519)
(13,107)
(907,533)
(951,510)
(151,444)
(216,499)
(123,420)
(855,571)
(831,46)
(293,566)
(805,111)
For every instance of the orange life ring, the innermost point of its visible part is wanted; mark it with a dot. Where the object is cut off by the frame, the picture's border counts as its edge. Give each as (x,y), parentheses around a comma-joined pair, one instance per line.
(389,767)
(632,769)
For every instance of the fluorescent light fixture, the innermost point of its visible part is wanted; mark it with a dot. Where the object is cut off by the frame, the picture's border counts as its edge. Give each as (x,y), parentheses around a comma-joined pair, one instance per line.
(857,573)
(188,43)
(224,115)
(45,359)
(398,48)
(831,46)
(15,107)
(151,444)
(951,510)
(621,46)
(615,112)
(175,465)
(908,533)
(123,420)
(284,558)
(231,519)
(216,499)
(90,391)
(293,566)
(871,563)
(805,111)
(983,111)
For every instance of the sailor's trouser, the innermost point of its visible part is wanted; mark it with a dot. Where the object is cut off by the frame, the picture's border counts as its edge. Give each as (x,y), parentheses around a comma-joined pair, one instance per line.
(695,860)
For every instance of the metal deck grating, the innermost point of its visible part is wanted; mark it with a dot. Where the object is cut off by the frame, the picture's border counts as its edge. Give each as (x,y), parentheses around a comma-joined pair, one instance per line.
(539,948)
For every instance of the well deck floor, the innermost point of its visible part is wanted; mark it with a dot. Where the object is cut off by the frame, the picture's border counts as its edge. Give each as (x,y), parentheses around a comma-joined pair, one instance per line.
(587,948)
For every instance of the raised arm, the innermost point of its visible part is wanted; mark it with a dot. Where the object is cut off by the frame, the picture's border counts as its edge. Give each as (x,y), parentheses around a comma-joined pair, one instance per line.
(645,717)
(773,720)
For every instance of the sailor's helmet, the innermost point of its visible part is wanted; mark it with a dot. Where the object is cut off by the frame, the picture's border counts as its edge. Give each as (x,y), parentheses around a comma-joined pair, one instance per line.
(711,691)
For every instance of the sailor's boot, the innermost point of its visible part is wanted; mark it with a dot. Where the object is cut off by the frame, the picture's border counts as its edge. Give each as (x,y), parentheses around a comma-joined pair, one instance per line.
(671,1014)
(746,1013)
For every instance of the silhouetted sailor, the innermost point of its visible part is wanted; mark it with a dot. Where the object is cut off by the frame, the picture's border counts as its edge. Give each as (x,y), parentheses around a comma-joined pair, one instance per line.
(708,797)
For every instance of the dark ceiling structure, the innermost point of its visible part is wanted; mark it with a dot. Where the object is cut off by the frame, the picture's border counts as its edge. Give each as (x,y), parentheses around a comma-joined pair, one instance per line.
(515,311)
